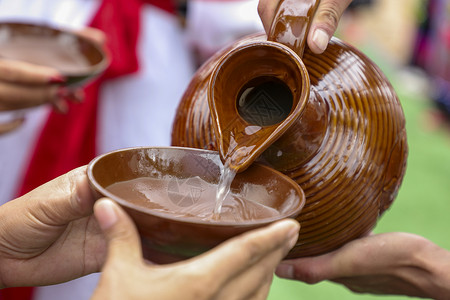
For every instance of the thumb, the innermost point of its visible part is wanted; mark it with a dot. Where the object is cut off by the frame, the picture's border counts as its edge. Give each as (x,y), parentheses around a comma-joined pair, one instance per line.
(62,200)
(325,23)
(308,269)
(121,233)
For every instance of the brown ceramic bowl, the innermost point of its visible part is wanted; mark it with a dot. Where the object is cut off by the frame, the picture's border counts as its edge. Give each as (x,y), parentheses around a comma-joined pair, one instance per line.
(170,229)
(76,57)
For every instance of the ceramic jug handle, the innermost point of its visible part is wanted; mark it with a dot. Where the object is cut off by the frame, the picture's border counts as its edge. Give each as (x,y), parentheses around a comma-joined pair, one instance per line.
(291,23)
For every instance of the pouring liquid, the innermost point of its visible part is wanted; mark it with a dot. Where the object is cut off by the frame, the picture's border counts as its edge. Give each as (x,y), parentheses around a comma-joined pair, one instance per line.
(223,188)
(263,101)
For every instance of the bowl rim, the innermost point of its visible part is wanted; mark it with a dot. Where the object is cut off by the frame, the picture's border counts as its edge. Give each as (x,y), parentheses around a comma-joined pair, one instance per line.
(94,69)
(251,223)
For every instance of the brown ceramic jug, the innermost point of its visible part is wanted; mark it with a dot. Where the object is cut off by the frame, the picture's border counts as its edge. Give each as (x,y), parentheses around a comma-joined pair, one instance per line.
(332,122)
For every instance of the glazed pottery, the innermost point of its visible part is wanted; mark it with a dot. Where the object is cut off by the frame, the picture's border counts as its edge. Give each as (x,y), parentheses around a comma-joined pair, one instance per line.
(76,57)
(342,138)
(168,214)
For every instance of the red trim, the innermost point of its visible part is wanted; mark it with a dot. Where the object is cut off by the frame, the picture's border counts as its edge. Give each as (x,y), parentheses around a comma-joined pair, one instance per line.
(16,293)
(167,5)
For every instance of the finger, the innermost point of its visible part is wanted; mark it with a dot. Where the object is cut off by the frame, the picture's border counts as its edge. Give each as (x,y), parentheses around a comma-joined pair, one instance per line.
(67,198)
(238,254)
(94,34)
(121,234)
(249,284)
(14,96)
(310,269)
(25,73)
(266,11)
(356,257)
(325,23)
(60,106)
(63,96)
(46,212)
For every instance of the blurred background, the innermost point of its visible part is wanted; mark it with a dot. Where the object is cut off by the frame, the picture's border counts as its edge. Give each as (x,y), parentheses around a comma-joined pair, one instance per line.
(410,41)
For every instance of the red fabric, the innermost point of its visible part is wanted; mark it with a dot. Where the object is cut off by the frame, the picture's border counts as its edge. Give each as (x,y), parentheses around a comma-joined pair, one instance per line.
(167,5)
(68,141)
(16,294)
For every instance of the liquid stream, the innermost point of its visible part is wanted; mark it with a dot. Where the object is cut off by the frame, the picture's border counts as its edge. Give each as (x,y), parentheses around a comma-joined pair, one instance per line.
(223,189)
(263,101)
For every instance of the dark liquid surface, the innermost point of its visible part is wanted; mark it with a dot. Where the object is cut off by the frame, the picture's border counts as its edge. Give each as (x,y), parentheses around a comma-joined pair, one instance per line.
(62,54)
(195,198)
(265,101)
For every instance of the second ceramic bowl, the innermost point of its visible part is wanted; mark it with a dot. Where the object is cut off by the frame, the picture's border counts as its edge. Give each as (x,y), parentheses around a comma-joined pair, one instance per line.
(77,58)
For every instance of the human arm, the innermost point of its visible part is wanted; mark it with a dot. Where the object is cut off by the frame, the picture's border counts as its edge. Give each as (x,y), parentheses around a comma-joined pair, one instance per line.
(241,268)
(389,263)
(324,24)
(49,235)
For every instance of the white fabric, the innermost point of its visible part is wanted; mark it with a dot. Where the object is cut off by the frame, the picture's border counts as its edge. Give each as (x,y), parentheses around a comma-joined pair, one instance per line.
(70,13)
(212,25)
(14,148)
(141,107)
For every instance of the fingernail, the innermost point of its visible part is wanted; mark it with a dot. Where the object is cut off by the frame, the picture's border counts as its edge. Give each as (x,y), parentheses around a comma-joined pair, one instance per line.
(107,215)
(57,79)
(321,39)
(285,271)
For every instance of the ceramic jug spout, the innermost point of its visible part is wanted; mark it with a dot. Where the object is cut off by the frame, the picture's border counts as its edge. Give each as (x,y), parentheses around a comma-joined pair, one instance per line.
(258,90)
(255,94)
